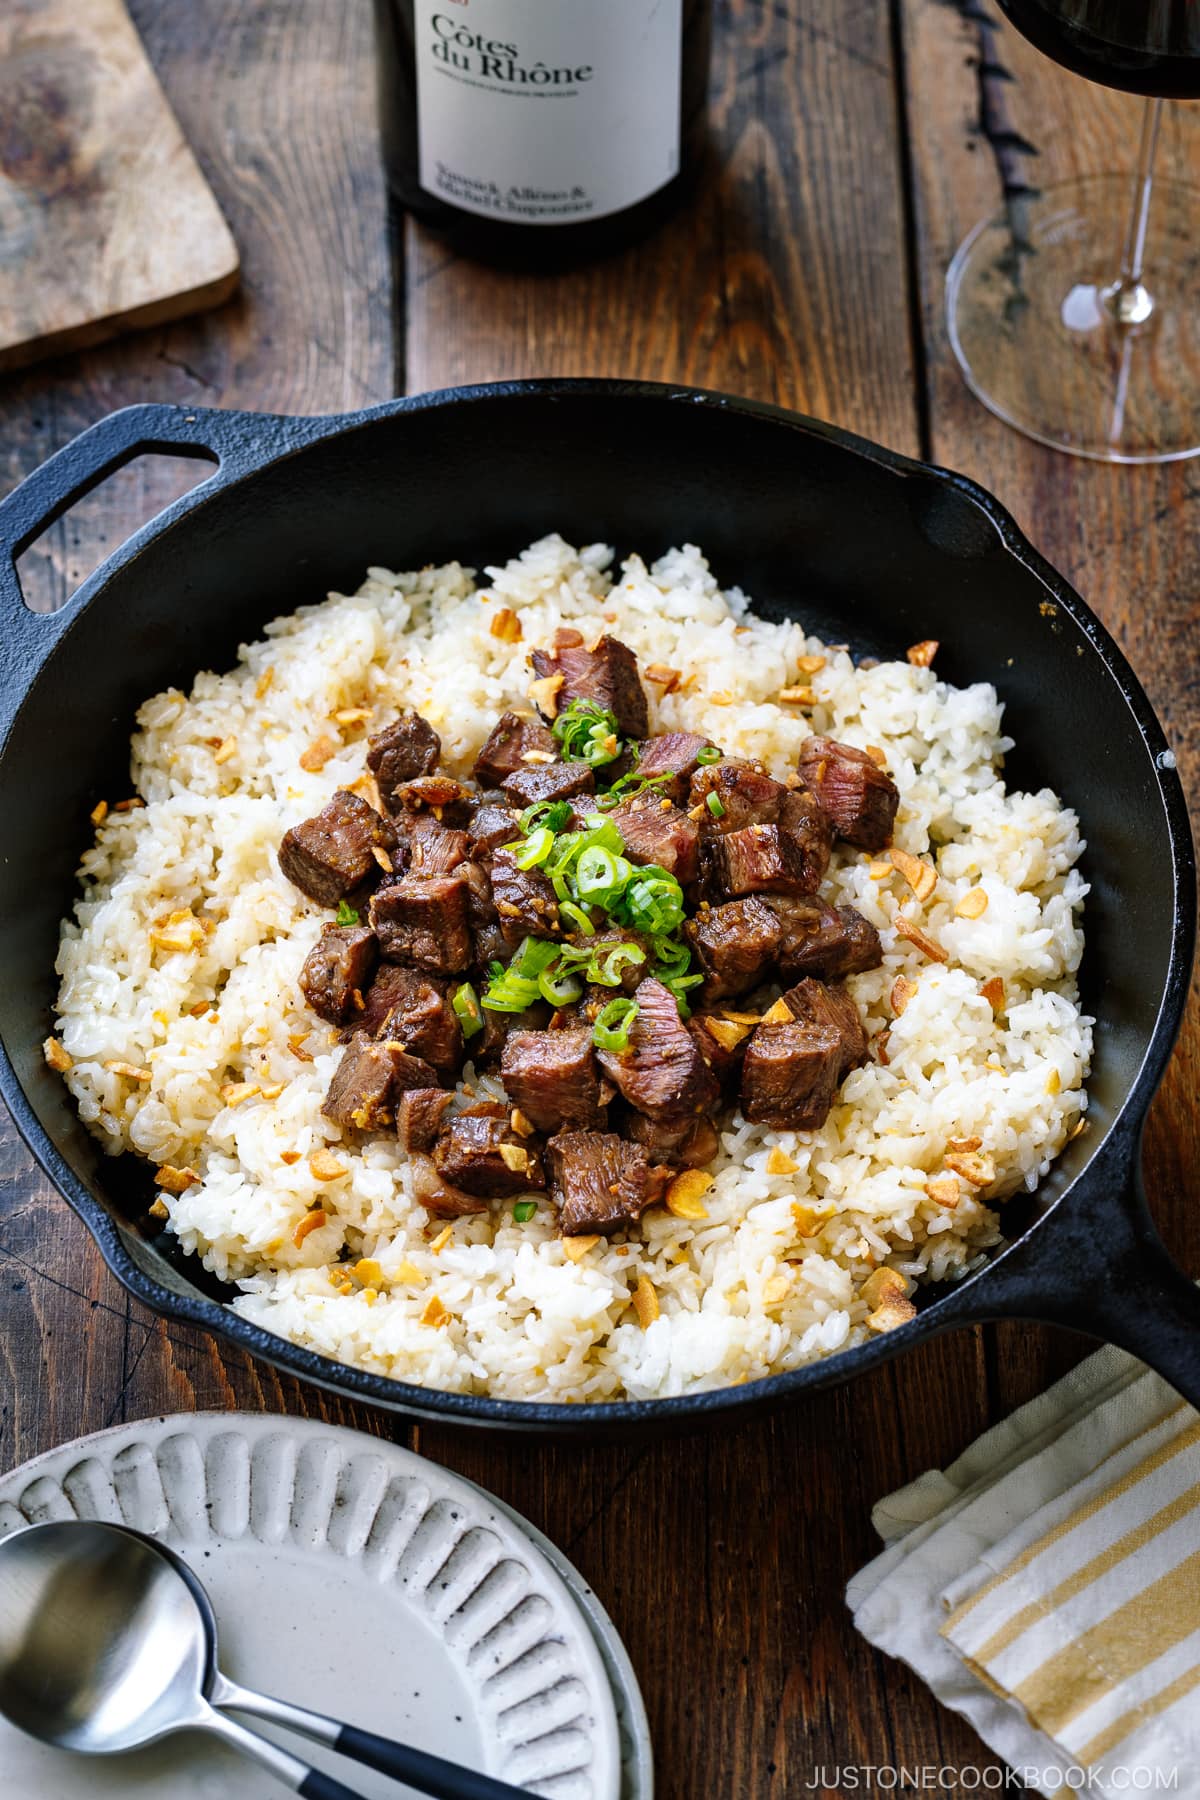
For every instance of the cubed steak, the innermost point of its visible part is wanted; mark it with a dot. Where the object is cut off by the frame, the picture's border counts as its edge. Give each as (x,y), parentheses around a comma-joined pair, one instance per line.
(829,941)
(337,971)
(731,794)
(422,920)
(344,848)
(553,1078)
(492,827)
(655,831)
(549,781)
(674,755)
(414,1009)
(683,1143)
(517,741)
(763,859)
(859,796)
(525,901)
(662,1073)
(401,751)
(431,848)
(487,1047)
(419,1113)
(722,1043)
(368,1080)
(792,1070)
(601,1182)
(607,675)
(436,1195)
(735,945)
(479,1153)
(819,1003)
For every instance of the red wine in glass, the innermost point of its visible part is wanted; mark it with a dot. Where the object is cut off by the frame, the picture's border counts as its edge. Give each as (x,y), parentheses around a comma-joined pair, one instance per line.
(1082,336)
(1144,46)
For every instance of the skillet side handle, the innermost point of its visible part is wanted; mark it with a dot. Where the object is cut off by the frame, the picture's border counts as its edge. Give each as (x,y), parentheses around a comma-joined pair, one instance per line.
(1097,1265)
(234,442)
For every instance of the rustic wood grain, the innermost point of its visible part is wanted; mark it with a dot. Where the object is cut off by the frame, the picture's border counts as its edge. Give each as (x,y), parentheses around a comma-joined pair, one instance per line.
(722,1558)
(107,221)
(1128,538)
(277,102)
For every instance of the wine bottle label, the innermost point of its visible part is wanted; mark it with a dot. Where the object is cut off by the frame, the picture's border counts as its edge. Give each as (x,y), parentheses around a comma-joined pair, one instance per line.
(547,112)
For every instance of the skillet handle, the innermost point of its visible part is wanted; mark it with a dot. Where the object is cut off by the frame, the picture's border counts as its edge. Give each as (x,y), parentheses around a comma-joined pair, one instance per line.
(1097,1265)
(235,442)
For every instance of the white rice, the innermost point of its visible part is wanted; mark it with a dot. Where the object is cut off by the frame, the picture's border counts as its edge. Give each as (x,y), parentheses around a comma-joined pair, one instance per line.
(774,1276)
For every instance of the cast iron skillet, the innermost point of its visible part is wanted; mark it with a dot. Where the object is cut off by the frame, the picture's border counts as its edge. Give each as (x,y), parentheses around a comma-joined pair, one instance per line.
(874,549)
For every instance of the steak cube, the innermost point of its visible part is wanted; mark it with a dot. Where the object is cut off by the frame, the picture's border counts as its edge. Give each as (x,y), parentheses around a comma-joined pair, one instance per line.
(760,859)
(553,1078)
(423,920)
(368,1080)
(435,1196)
(433,849)
(419,1117)
(526,904)
(337,971)
(731,794)
(492,827)
(654,831)
(824,940)
(673,754)
(333,854)
(414,1010)
(607,675)
(549,781)
(479,1153)
(790,1075)
(735,945)
(819,1005)
(683,1143)
(662,1073)
(401,751)
(858,795)
(513,737)
(600,1182)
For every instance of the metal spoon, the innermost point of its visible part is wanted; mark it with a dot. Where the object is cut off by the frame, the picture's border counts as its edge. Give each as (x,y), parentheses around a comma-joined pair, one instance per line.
(108,1641)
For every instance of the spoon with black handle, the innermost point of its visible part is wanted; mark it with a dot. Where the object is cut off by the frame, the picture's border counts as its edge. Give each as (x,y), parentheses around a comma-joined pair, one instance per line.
(108,1642)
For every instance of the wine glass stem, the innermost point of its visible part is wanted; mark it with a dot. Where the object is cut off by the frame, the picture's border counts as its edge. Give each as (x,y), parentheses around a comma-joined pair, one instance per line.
(1128,298)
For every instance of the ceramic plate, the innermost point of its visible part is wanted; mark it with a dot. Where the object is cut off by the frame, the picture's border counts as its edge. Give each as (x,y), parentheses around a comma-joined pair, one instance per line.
(351,1576)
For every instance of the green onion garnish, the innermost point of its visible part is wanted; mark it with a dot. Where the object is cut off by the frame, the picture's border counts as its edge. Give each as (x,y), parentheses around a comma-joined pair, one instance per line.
(577,916)
(553,814)
(709,754)
(652,901)
(465,1002)
(515,988)
(715,805)
(535,849)
(524,1210)
(558,988)
(588,733)
(346,914)
(611,1030)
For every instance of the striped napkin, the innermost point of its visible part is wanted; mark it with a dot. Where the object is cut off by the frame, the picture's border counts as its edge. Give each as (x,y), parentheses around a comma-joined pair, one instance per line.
(1047,1585)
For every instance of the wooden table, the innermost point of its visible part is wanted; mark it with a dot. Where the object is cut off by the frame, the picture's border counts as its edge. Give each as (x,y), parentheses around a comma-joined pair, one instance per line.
(848,164)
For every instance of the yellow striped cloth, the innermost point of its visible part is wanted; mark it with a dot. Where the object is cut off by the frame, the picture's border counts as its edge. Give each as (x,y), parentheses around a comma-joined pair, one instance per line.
(1047,1586)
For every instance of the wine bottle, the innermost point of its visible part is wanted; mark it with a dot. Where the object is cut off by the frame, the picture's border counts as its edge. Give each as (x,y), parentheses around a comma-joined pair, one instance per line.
(541,130)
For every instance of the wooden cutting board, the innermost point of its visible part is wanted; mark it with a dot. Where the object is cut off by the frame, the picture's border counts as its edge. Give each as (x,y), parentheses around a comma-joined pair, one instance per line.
(106,222)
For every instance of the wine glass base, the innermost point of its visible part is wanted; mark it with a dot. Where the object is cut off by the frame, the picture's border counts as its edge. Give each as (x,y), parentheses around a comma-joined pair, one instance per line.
(1050,346)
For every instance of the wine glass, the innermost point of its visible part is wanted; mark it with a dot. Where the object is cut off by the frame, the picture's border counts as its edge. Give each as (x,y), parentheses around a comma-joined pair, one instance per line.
(1074,312)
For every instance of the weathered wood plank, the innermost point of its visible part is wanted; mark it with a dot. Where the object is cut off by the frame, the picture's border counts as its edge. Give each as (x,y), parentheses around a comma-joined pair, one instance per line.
(1129,538)
(278,104)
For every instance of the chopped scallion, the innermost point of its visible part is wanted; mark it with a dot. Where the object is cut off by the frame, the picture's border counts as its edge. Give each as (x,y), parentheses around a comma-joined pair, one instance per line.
(709,754)
(524,1210)
(588,733)
(577,916)
(612,1026)
(346,914)
(465,1002)
(535,849)
(715,805)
